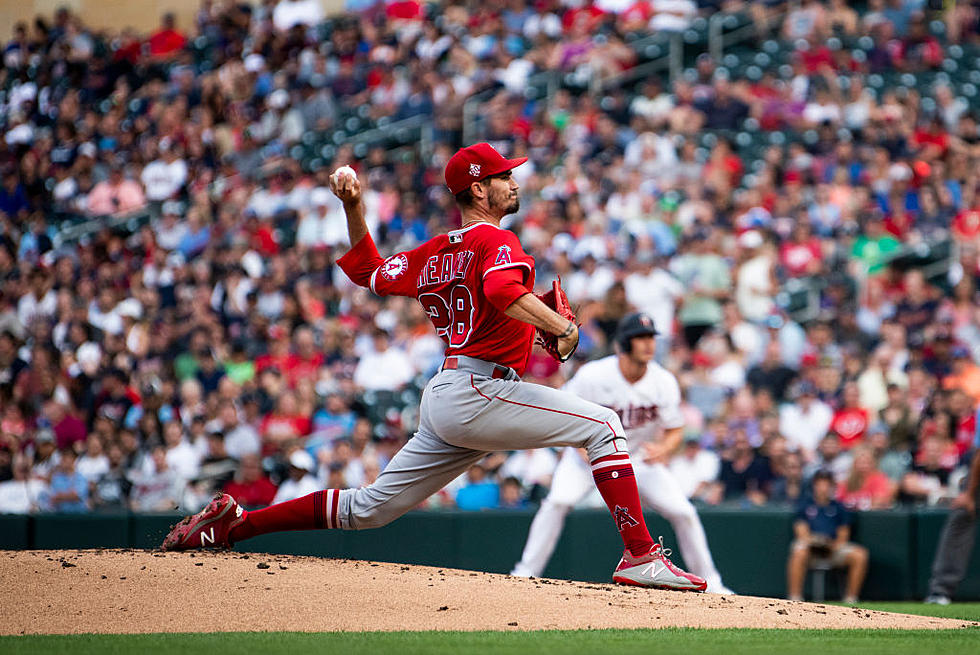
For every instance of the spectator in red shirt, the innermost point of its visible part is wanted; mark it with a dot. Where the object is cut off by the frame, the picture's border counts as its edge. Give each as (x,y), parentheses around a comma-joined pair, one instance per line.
(278,356)
(283,424)
(966,225)
(251,487)
(68,429)
(166,41)
(801,254)
(932,141)
(866,487)
(306,361)
(851,421)
(918,50)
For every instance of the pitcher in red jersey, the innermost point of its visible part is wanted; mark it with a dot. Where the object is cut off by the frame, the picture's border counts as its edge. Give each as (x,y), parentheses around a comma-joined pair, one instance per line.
(475,284)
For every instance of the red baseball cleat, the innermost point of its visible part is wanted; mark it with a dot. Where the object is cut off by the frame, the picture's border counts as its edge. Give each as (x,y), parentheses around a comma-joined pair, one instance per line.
(208,528)
(655,570)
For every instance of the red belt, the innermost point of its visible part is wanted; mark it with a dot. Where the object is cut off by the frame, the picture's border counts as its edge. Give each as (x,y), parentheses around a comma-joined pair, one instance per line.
(499,372)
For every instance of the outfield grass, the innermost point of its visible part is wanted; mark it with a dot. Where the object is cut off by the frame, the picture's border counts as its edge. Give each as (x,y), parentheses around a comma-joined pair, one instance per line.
(607,642)
(967,611)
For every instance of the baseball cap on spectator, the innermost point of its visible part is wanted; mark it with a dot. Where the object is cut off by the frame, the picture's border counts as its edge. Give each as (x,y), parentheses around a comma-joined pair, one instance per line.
(301,459)
(44,435)
(750,240)
(254,63)
(88,357)
(252,263)
(278,98)
(475,163)
(960,352)
(804,388)
(277,332)
(774,321)
(701,359)
(130,308)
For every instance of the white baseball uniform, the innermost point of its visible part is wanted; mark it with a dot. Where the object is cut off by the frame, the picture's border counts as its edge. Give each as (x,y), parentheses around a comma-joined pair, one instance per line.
(646,408)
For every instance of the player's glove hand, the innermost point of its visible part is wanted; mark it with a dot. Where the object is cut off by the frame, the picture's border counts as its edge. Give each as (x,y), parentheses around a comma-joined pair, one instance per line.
(560,347)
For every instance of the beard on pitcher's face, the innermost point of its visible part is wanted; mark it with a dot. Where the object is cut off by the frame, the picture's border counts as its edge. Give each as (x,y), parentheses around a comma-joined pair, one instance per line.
(502,197)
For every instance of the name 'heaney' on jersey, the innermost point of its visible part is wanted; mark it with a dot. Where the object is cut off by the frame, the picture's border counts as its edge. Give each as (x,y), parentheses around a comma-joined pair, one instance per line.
(454,266)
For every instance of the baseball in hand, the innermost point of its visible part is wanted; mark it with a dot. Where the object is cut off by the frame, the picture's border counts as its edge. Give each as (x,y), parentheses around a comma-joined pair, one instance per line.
(344,171)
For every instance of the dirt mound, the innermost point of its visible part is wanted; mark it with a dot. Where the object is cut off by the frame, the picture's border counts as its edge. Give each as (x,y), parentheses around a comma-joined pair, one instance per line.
(125,591)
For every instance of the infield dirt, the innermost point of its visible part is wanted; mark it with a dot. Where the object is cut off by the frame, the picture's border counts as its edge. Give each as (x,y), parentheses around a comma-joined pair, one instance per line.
(130,591)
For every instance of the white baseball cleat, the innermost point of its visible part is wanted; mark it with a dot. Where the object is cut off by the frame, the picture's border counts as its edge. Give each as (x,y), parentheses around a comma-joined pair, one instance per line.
(656,570)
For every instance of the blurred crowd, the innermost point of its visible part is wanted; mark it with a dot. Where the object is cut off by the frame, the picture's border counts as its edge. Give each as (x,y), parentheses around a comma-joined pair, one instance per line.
(217,346)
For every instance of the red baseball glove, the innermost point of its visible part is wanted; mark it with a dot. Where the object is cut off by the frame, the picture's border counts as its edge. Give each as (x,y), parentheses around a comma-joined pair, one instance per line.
(558,301)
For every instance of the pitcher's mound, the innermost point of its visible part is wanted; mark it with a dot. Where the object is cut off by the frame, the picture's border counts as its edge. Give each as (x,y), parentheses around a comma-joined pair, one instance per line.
(114,591)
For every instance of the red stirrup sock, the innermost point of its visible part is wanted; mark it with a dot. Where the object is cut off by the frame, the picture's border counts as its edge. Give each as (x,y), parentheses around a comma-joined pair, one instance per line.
(614,478)
(311,512)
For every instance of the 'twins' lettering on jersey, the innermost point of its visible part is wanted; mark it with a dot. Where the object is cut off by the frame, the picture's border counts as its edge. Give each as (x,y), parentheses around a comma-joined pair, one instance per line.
(646,407)
(446,275)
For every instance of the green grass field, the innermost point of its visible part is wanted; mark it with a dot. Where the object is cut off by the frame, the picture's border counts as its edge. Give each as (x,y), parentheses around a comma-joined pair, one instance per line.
(606,642)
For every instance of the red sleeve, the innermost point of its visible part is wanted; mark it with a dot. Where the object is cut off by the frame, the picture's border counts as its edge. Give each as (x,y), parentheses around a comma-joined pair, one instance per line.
(361,261)
(504,286)
(504,251)
(395,276)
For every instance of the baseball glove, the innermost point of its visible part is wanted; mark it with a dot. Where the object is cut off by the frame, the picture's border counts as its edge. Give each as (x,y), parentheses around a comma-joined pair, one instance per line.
(556,299)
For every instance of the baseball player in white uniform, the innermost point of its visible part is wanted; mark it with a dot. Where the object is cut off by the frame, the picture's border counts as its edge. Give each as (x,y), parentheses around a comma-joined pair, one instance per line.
(647,399)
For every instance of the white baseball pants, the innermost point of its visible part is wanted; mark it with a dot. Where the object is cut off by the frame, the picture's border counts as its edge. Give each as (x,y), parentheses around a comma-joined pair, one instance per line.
(659,491)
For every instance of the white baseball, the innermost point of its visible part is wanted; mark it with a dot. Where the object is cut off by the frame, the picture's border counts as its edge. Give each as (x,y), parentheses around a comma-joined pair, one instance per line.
(344,171)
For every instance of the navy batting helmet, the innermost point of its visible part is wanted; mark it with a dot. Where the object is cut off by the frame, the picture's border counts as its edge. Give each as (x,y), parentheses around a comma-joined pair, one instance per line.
(634,325)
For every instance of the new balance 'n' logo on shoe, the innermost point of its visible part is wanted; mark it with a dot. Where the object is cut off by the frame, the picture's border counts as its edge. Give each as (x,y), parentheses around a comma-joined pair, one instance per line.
(209,528)
(656,570)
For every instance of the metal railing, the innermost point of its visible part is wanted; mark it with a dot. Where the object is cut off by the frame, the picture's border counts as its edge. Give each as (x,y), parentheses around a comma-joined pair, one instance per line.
(77,232)
(800,297)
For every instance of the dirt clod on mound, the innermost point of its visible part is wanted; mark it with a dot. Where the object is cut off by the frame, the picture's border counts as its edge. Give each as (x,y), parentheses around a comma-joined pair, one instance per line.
(127,591)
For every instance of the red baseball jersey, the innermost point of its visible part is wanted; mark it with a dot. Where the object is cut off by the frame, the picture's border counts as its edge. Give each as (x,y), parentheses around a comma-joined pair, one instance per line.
(446,275)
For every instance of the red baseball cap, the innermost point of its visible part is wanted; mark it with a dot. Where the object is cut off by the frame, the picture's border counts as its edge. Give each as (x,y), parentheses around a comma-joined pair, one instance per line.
(474,163)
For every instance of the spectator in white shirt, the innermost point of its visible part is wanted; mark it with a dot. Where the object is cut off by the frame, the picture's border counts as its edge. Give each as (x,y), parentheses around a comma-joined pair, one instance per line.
(103,313)
(181,457)
(672,15)
(694,468)
(313,227)
(301,481)
(20,495)
(591,281)
(290,13)
(756,285)
(654,291)
(240,438)
(171,230)
(531,467)
(39,302)
(805,421)
(94,463)
(385,368)
(166,175)
(158,487)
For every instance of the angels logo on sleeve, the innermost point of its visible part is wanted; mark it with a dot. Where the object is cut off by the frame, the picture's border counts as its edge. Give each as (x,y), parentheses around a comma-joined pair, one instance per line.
(394,268)
(503,255)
